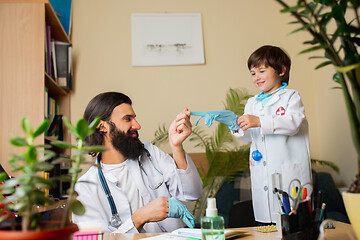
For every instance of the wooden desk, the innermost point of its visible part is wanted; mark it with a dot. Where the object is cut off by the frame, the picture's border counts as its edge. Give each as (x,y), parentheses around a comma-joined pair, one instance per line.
(342,231)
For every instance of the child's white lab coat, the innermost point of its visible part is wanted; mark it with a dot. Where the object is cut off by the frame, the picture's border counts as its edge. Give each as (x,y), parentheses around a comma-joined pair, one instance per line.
(283,142)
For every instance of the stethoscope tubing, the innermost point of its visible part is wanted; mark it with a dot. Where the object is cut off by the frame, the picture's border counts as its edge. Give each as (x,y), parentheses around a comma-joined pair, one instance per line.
(107,191)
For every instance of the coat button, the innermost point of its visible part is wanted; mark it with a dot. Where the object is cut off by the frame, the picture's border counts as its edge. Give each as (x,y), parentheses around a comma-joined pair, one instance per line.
(264,163)
(265,188)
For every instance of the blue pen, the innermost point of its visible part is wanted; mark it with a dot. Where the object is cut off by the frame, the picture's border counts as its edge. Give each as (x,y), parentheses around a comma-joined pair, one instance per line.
(286,202)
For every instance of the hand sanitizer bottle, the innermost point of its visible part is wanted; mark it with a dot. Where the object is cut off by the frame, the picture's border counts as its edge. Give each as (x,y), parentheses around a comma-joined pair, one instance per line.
(212,225)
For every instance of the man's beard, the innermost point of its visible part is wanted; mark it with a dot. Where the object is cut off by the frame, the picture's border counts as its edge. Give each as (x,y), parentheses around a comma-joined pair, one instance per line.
(129,147)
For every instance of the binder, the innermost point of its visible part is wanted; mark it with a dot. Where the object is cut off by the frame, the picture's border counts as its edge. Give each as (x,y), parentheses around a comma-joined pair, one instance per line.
(63,64)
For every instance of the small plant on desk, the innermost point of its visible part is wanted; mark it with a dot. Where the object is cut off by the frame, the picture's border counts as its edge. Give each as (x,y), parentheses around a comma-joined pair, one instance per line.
(22,193)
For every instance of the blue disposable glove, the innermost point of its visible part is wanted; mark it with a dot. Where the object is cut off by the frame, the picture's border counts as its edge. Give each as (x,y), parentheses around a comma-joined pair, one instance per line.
(226,117)
(179,210)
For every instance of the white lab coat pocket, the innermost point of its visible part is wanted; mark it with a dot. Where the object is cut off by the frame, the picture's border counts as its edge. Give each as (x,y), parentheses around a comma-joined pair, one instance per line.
(289,172)
(260,192)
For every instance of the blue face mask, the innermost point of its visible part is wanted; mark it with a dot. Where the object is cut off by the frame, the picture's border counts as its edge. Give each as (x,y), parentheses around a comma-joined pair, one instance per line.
(226,117)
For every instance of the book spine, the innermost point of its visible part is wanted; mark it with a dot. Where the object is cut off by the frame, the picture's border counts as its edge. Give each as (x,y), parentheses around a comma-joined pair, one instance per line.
(53,54)
(48,53)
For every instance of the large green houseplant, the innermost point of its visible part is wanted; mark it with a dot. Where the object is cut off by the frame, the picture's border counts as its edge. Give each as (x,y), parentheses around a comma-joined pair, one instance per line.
(224,158)
(334,27)
(22,193)
(339,44)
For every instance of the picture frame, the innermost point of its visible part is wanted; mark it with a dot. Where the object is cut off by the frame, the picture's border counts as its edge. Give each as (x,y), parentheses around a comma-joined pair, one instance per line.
(164,39)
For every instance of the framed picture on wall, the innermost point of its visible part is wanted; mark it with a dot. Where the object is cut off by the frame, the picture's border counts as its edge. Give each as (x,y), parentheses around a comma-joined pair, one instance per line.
(161,39)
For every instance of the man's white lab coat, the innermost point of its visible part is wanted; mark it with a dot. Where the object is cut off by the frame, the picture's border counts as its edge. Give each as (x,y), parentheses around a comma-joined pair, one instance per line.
(185,185)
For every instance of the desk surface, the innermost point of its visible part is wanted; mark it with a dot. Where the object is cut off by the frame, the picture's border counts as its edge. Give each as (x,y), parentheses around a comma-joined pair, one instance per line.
(342,231)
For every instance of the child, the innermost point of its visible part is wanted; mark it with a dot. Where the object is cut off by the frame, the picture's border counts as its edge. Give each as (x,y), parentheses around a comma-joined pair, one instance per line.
(274,122)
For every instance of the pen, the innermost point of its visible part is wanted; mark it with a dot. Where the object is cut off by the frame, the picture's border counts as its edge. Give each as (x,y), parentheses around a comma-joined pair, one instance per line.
(281,204)
(308,199)
(323,206)
(304,193)
(286,202)
(319,199)
(318,203)
(294,192)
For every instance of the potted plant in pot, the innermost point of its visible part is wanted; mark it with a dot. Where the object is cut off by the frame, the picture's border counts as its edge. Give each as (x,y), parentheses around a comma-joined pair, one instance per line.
(340,47)
(27,190)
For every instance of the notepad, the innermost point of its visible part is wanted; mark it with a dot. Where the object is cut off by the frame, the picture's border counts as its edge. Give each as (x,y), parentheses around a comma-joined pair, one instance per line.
(194,233)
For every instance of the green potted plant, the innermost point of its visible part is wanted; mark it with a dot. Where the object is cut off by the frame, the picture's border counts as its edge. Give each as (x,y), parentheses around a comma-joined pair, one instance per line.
(225,160)
(22,193)
(339,45)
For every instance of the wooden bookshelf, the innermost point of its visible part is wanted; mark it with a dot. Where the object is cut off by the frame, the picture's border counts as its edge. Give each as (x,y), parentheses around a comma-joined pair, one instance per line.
(22,69)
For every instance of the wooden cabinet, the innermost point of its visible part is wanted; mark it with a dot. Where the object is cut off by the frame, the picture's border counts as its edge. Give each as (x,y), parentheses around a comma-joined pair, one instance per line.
(22,69)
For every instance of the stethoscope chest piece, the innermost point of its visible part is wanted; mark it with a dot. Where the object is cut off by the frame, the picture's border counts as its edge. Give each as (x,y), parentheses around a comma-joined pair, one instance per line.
(115,220)
(256,155)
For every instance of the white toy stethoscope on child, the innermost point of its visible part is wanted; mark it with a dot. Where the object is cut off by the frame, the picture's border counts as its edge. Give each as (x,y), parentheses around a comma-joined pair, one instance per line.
(115,220)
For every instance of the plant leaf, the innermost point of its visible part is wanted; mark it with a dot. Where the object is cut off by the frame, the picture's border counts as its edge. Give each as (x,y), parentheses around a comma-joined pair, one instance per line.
(68,124)
(93,125)
(95,149)
(77,207)
(42,128)
(338,14)
(18,141)
(82,128)
(25,124)
(323,64)
(313,49)
(61,144)
(336,77)
(347,68)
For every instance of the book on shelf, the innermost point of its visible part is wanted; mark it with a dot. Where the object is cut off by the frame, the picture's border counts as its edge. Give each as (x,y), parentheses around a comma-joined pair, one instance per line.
(63,9)
(56,127)
(63,64)
(52,107)
(46,53)
(48,60)
(53,59)
(46,103)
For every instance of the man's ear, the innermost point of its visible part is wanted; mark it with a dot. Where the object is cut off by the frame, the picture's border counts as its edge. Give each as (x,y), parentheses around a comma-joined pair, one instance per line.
(102,126)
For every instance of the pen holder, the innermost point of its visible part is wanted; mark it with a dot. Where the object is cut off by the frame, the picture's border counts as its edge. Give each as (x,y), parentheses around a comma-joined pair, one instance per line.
(299,226)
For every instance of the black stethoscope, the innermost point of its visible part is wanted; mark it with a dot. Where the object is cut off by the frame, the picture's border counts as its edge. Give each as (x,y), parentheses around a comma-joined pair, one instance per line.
(115,220)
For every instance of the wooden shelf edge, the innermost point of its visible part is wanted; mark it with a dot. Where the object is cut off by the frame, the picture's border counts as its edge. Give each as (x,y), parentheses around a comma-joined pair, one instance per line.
(57,30)
(53,87)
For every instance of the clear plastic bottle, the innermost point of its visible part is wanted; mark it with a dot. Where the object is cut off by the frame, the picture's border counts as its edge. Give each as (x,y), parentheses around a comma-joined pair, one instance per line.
(212,225)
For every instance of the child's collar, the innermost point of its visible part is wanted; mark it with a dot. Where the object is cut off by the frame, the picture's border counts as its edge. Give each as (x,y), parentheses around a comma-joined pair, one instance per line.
(262,96)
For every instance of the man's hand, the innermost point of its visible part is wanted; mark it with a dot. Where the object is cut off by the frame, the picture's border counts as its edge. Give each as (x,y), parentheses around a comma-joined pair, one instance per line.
(154,211)
(179,210)
(248,121)
(180,128)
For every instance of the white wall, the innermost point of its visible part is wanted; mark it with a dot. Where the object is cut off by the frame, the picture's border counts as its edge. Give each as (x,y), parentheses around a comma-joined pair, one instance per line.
(233,29)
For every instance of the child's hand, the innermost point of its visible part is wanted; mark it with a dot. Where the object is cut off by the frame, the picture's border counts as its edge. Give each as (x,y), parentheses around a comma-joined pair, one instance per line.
(248,121)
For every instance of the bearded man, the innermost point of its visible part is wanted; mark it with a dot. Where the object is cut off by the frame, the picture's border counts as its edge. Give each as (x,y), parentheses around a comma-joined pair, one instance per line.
(136,187)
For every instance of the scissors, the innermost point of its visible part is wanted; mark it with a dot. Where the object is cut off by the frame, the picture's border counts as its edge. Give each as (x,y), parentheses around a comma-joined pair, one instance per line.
(295,190)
